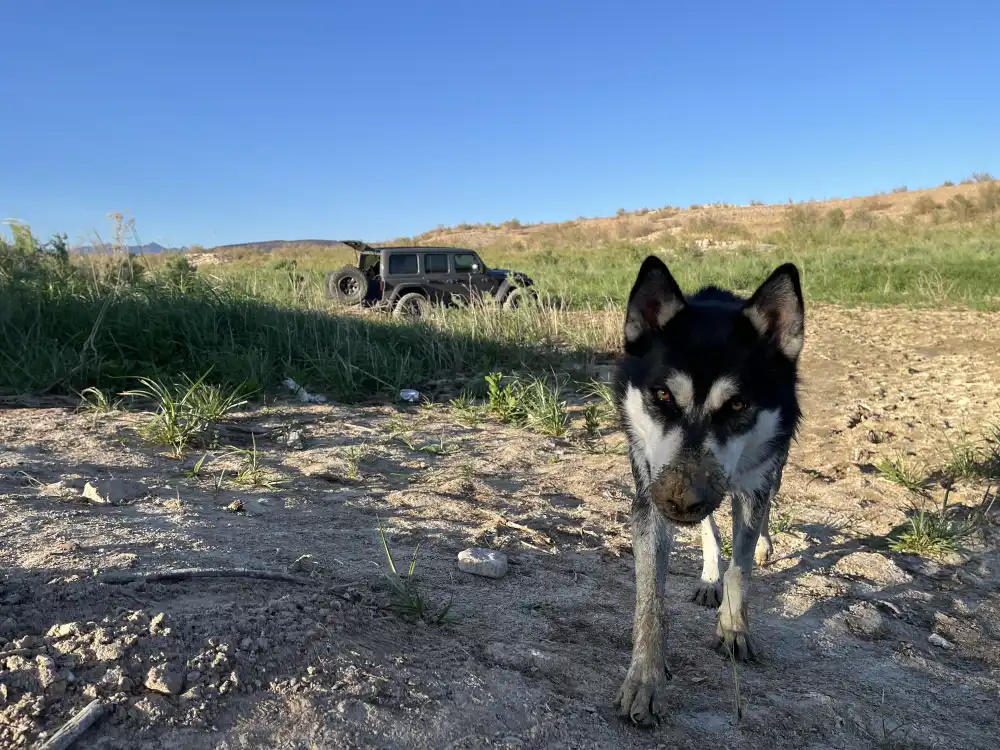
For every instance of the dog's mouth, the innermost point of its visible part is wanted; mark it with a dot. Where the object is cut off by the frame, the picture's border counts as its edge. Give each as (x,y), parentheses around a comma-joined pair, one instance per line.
(690,517)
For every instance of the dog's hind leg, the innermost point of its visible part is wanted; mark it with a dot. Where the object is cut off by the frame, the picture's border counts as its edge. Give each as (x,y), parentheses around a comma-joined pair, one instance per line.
(764,548)
(708,592)
(732,631)
(642,696)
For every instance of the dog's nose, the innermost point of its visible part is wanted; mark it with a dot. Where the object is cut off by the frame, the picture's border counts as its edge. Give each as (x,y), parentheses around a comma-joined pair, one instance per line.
(686,504)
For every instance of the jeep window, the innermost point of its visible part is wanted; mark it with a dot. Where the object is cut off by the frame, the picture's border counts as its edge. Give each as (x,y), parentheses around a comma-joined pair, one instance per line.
(465,261)
(436,263)
(402,265)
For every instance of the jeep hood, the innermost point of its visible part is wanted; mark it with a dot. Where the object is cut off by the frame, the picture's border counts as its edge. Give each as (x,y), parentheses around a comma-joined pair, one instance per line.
(503,273)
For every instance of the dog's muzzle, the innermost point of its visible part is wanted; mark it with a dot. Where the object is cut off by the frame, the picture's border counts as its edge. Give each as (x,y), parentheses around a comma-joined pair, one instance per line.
(690,490)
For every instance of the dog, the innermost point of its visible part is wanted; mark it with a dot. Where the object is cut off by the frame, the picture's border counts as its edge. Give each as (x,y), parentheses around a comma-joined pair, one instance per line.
(707,393)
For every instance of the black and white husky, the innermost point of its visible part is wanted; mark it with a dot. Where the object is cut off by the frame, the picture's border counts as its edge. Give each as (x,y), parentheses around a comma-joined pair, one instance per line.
(707,393)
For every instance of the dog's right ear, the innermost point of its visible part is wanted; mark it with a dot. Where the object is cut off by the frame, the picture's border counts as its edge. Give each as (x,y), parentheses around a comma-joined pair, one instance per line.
(655,298)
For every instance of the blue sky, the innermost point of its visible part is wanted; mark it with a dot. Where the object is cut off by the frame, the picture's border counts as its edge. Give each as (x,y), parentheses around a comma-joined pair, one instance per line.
(218,122)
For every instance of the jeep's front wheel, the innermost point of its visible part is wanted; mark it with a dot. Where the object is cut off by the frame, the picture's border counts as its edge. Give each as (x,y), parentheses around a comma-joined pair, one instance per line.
(348,285)
(413,305)
(517,297)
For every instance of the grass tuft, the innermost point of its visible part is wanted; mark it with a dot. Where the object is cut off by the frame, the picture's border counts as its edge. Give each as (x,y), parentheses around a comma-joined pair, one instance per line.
(932,532)
(406,598)
(187,412)
(904,473)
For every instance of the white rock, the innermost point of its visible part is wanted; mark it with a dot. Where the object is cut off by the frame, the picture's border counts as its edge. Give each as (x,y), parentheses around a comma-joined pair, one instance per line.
(483,562)
(940,641)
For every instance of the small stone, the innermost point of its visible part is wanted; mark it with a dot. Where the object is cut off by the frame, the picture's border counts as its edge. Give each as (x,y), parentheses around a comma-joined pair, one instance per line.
(164,678)
(940,641)
(64,630)
(28,641)
(236,506)
(109,651)
(865,620)
(112,491)
(483,562)
(246,643)
(192,677)
(154,624)
(192,695)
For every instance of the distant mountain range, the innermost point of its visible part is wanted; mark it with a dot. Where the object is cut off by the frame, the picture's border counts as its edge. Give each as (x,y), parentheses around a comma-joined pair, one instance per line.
(149,247)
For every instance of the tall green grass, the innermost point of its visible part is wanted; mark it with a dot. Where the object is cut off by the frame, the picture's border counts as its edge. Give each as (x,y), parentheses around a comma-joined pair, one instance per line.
(66,326)
(890,263)
(64,329)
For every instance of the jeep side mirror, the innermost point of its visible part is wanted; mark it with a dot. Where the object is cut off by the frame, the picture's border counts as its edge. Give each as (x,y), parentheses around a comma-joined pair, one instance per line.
(475,267)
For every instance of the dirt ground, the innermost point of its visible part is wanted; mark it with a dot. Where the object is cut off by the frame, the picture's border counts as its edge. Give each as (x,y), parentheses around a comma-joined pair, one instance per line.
(532,660)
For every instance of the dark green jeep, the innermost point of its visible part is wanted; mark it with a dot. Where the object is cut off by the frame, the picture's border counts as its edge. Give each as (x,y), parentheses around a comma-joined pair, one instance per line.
(407,280)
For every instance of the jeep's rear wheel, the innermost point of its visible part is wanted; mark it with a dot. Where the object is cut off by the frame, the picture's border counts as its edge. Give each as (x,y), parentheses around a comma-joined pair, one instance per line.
(348,285)
(413,305)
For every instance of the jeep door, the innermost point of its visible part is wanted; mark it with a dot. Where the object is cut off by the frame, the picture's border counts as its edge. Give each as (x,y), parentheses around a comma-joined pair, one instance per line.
(470,270)
(438,281)
(403,272)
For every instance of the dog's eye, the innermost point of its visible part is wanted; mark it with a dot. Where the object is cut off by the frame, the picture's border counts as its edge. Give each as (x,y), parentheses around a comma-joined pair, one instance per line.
(663,396)
(737,406)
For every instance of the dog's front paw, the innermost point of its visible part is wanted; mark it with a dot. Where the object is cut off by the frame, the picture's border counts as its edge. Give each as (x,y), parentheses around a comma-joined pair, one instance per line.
(643,695)
(733,639)
(707,594)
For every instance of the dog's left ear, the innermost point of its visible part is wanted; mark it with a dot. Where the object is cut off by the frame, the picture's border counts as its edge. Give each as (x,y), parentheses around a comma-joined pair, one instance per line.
(777,310)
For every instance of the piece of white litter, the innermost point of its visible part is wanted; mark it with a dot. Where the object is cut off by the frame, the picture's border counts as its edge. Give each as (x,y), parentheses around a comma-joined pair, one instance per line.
(940,641)
(483,562)
(304,396)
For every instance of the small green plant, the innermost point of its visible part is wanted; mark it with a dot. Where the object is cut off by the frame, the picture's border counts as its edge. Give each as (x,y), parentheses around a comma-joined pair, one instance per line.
(178,272)
(353,456)
(405,596)
(97,402)
(931,532)
(592,420)
(603,392)
(195,471)
(725,544)
(466,408)
(504,400)
(545,409)
(782,521)
(186,413)
(253,472)
(904,473)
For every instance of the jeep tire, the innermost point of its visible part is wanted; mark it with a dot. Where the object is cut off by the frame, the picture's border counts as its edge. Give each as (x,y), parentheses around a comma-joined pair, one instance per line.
(411,305)
(348,285)
(517,297)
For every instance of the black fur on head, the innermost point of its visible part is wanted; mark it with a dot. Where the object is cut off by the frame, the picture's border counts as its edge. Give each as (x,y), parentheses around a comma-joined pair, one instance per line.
(707,385)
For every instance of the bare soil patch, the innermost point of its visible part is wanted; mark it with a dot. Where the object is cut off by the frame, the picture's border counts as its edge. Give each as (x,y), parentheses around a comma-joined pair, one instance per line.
(534,658)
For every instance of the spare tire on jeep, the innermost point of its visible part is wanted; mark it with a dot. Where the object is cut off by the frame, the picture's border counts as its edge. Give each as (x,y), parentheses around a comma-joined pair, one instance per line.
(348,285)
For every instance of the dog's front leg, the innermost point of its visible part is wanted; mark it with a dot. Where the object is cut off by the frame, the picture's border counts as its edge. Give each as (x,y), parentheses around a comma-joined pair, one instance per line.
(732,631)
(642,696)
(708,592)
